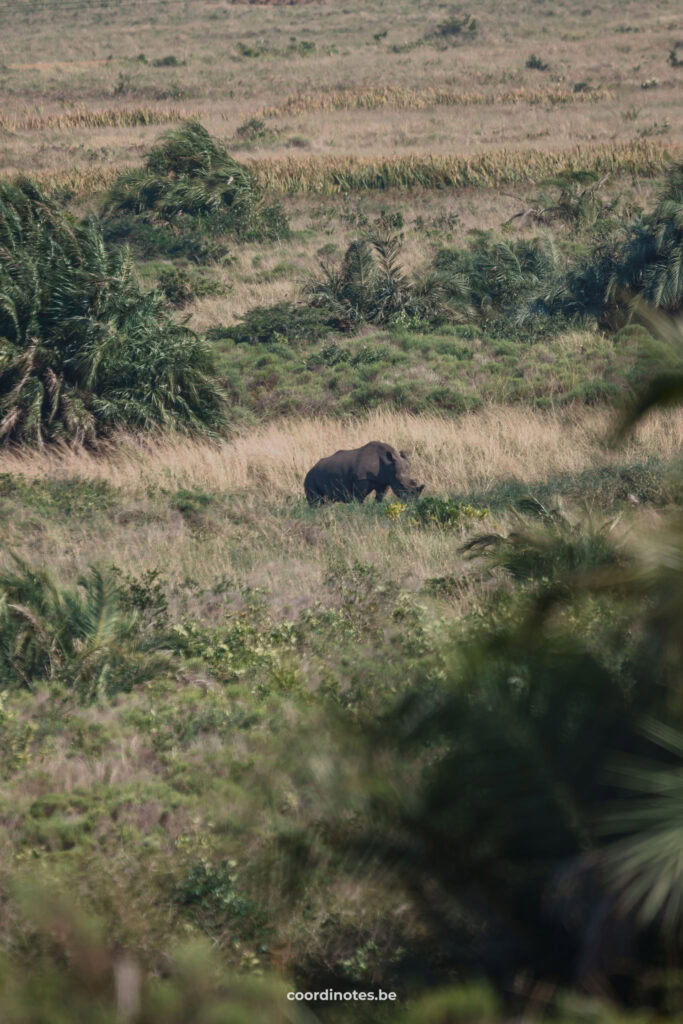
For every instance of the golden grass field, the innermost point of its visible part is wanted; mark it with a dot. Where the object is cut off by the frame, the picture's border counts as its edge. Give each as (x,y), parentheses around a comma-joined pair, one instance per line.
(263,535)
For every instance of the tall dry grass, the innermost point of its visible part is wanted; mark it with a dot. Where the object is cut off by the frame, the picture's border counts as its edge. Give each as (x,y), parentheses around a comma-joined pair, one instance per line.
(83,117)
(471,452)
(403,98)
(328,175)
(339,175)
(258,537)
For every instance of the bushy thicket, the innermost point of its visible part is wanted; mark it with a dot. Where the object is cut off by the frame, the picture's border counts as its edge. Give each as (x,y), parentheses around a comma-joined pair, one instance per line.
(83,350)
(613,258)
(189,191)
(585,272)
(86,637)
(638,257)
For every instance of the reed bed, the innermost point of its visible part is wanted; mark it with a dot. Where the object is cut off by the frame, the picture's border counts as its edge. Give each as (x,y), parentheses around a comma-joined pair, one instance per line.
(333,175)
(421,99)
(329,175)
(123,117)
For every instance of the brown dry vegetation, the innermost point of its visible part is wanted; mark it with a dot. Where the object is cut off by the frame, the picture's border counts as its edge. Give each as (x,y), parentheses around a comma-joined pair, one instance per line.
(617,61)
(260,534)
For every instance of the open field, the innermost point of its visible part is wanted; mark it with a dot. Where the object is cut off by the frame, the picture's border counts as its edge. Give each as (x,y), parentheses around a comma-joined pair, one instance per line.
(430,745)
(244,515)
(359,80)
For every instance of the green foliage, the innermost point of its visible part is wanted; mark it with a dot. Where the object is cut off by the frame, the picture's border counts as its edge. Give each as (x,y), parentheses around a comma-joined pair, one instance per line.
(83,350)
(149,240)
(80,636)
(254,132)
(284,322)
(494,276)
(433,511)
(189,176)
(78,977)
(369,285)
(416,368)
(212,896)
(640,259)
(553,551)
(57,498)
(576,201)
(674,60)
(536,63)
(239,649)
(181,287)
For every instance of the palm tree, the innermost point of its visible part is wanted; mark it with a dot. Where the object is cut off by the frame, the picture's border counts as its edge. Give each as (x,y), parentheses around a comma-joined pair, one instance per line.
(83,350)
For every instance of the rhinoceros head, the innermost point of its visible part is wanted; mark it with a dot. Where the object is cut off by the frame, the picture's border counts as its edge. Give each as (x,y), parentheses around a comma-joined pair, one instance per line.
(401,481)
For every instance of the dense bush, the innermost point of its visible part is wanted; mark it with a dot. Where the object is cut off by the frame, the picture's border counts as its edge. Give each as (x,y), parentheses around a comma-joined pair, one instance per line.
(81,636)
(369,285)
(642,258)
(495,276)
(284,321)
(181,287)
(83,350)
(190,181)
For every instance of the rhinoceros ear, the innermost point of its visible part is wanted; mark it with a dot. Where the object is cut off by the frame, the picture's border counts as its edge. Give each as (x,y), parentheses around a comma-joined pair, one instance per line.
(404,455)
(420,488)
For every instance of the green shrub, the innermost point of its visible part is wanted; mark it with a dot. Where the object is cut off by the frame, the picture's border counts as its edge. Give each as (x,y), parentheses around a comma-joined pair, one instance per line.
(642,259)
(79,636)
(495,277)
(284,321)
(188,174)
(369,285)
(83,350)
(150,240)
(536,63)
(433,512)
(181,287)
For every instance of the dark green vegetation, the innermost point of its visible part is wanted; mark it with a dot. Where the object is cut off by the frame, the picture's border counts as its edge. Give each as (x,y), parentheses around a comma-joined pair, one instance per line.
(594,257)
(192,191)
(83,350)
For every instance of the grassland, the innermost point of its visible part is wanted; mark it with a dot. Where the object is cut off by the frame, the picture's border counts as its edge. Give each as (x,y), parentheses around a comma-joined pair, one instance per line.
(221,709)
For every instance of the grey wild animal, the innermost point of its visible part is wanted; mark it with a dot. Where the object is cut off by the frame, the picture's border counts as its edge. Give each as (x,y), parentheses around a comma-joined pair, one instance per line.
(352,475)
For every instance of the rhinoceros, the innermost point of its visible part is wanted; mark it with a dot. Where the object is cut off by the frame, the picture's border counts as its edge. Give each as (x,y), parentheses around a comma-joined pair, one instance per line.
(352,475)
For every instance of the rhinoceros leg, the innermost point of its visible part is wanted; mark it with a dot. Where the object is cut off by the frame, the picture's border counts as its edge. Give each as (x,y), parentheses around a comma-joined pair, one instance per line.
(380,492)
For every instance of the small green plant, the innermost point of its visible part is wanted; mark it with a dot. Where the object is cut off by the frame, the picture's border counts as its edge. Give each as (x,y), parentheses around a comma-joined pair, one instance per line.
(284,321)
(212,897)
(536,63)
(168,62)
(674,60)
(433,512)
(181,287)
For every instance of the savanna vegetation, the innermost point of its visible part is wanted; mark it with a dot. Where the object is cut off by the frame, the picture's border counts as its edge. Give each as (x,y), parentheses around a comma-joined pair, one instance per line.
(431,747)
